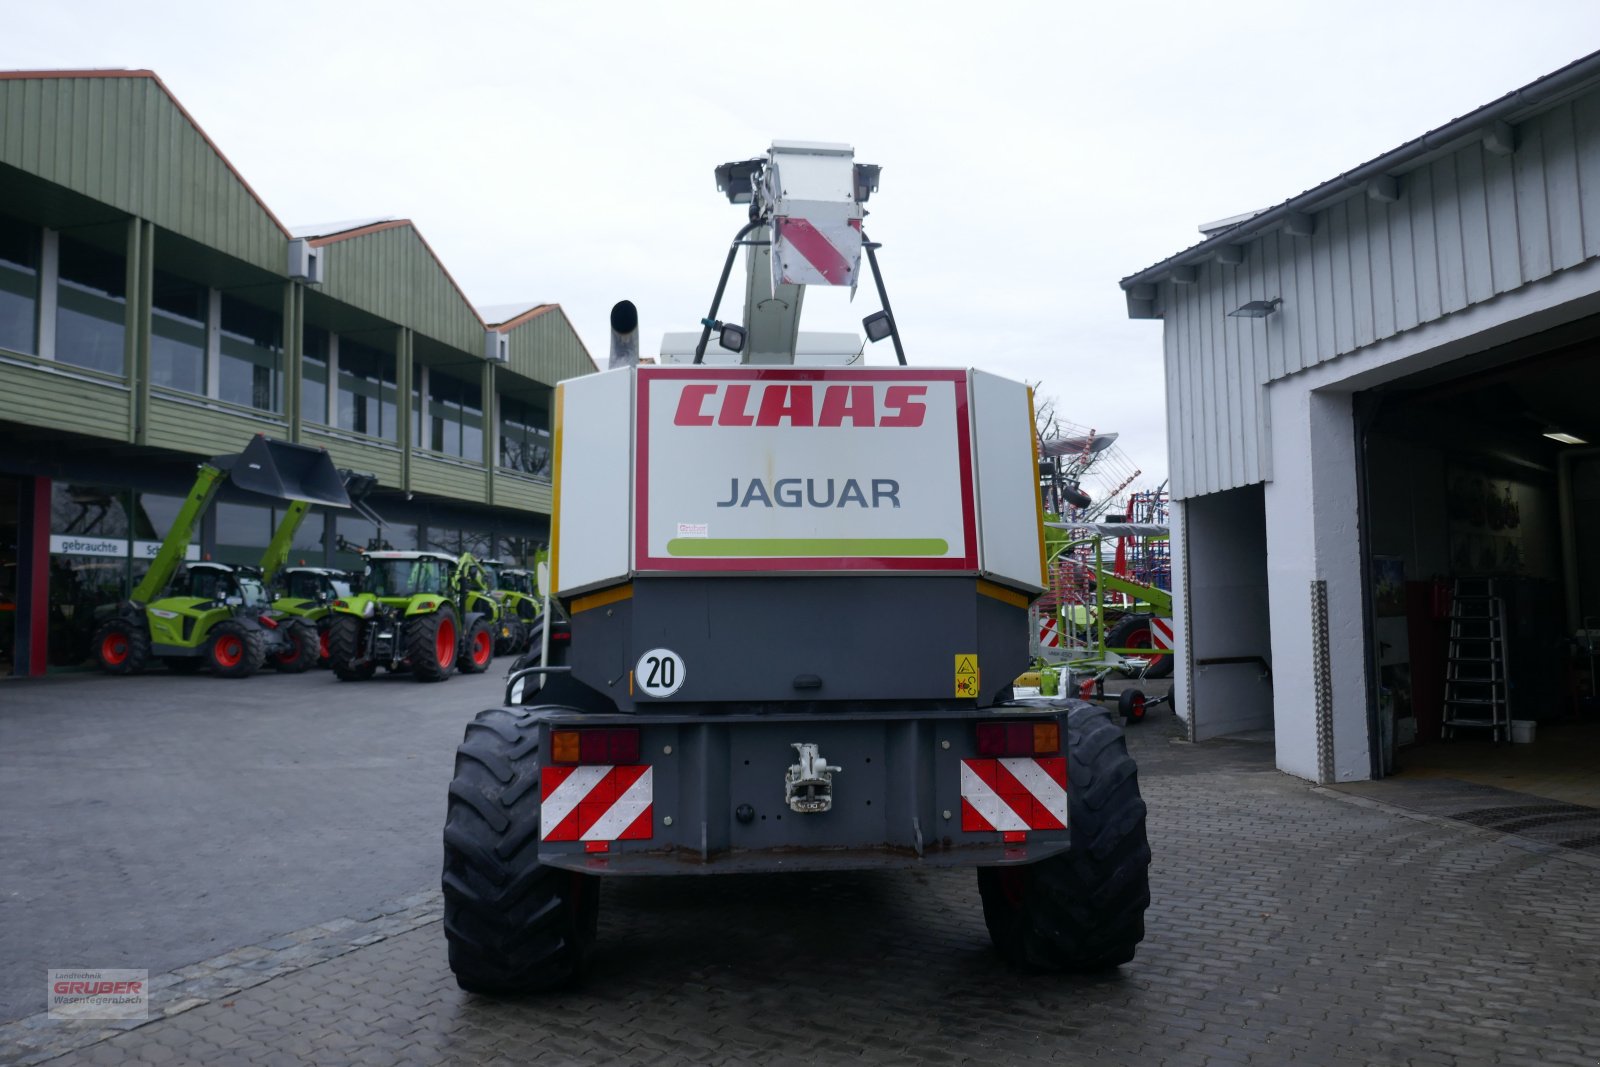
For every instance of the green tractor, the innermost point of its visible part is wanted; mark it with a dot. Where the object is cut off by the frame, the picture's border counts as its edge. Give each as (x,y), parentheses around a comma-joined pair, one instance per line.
(308,593)
(417,611)
(216,614)
(517,591)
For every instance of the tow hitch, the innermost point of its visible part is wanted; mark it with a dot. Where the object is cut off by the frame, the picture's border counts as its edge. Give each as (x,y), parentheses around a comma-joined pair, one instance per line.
(808,787)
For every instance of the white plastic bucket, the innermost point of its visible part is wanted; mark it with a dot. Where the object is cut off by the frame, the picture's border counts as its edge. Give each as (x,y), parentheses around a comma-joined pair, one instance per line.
(1522,731)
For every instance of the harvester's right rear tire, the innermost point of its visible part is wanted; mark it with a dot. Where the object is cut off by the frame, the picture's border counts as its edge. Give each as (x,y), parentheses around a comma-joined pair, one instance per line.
(431,644)
(1081,910)
(512,924)
(344,648)
(235,650)
(122,646)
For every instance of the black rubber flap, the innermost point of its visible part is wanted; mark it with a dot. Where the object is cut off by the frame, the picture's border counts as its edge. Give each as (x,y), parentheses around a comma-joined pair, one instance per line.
(287,471)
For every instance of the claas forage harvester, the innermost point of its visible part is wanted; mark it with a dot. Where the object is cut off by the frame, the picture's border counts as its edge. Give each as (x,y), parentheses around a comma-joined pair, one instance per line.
(784,635)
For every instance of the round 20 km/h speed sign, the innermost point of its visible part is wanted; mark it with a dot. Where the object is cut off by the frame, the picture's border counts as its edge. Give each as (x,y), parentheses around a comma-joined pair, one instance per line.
(659,673)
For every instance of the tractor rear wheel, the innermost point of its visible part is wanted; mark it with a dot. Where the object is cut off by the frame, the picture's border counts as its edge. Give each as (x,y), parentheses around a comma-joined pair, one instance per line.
(345,650)
(122,646)
(1081,910)
(478,649)
(299,649)
(431,644)
(235,650)
(512,924)
(324,650)
(1133,631)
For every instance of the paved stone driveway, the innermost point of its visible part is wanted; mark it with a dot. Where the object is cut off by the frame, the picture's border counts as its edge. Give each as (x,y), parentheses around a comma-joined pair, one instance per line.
(1290,925)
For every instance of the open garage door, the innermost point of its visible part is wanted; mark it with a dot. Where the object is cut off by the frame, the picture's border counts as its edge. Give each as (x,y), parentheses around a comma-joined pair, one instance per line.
(1481,523)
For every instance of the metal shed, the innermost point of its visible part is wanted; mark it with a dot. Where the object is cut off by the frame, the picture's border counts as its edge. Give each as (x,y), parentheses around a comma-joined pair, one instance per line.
(1302,343)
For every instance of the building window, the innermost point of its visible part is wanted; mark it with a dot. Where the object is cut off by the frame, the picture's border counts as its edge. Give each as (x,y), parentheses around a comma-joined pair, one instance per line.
(252,342)
(455,417)
(91,307)
(178,334)
(314,375)
(243,531)
(524,436)
(367,390)
(19,286)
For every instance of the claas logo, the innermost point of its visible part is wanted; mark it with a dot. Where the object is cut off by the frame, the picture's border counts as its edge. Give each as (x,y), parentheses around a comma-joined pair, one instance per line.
(776,404)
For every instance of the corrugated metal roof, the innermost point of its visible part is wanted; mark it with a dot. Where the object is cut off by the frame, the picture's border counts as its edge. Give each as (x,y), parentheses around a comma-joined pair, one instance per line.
(328,229)
(1515,105)
(123,72)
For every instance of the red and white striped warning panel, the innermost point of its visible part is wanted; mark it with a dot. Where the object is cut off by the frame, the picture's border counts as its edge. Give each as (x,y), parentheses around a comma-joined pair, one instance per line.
(595,803)
(1049,633)
(1007,795)
(816,252)
(1161,633)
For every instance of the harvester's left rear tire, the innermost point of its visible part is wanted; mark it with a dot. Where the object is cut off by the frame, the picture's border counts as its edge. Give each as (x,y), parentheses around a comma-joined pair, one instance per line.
(512,924)
(478,649)
(304,647)
(235,650)
(1082,910)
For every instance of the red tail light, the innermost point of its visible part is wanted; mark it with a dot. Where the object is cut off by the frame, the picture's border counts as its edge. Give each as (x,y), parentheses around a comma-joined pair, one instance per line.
(615,747)
(997,739)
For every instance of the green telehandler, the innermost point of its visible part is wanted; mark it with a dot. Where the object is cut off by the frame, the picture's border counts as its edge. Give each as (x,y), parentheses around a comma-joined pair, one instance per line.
(517,592)
(426,612)
(217,614)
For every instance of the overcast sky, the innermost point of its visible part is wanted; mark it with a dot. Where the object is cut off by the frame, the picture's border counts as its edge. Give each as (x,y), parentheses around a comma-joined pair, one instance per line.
(1032,153)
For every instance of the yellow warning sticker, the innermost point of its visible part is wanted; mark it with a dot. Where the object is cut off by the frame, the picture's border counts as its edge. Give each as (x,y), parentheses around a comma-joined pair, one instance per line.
(967,675)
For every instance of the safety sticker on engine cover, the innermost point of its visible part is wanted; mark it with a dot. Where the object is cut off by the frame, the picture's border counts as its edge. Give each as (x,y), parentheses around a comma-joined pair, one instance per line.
(1006,795)
(967,675)
(596,803)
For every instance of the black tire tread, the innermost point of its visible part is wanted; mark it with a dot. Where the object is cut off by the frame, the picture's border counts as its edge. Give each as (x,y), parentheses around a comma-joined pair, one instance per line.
(1082,910)
(1117,637)
(422,648)
(255,649)
(464,662)
(138,645)
(308,647)
(344,648)
(512,924)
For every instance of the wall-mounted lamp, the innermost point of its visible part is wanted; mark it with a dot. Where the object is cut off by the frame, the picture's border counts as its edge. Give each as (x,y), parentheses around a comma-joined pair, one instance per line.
(1565,438)
(1256,309)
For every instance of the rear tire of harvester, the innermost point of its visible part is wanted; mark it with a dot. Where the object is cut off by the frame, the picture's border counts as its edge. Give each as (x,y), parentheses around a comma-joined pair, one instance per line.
(235,650)
(344,648)
(431,644)
(122,646)
(512,924)
(1133,631)
(478,649)
(302,648)
(1082,910)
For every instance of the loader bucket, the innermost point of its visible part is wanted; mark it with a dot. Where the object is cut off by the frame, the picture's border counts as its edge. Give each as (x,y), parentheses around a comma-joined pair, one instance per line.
(287,471)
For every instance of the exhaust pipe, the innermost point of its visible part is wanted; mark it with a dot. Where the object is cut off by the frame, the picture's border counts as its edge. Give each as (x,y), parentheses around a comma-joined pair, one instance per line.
(624,335)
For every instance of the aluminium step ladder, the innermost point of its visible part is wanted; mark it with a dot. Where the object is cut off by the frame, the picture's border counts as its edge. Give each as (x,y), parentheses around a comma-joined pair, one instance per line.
(1475,696)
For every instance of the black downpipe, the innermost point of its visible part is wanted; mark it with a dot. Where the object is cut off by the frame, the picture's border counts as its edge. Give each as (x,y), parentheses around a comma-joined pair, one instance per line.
(722,284)
(883,298)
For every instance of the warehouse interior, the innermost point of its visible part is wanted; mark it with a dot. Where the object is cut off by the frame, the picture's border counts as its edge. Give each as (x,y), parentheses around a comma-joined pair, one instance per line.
(1481,497)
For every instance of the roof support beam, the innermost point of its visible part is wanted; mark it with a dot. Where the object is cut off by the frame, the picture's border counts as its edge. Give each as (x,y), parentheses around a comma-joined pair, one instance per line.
(1297,224)
(1500,139)
(1230,255)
